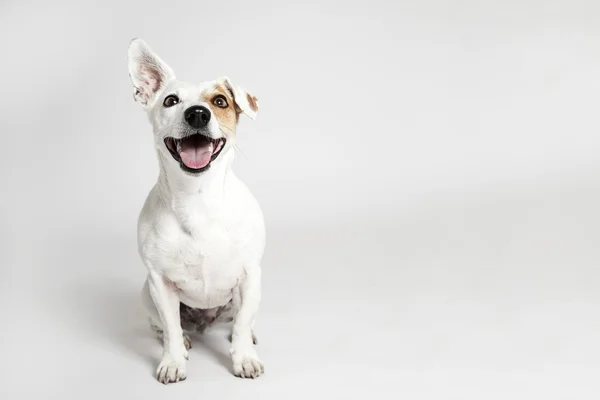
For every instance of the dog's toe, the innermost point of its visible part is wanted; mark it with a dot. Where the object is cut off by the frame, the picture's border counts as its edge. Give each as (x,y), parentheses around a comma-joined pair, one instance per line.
(247,366)
(171,370)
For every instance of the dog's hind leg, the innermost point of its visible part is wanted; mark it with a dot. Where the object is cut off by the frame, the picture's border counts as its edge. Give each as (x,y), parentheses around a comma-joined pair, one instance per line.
(254,338)
(187,341)
(154,318)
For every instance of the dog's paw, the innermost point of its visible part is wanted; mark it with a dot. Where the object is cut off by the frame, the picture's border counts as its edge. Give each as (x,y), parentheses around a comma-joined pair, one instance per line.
(171,370)
(247,364)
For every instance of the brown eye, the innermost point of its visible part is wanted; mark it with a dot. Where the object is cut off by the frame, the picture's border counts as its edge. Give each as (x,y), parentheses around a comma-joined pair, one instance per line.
(220,101)
(171,100)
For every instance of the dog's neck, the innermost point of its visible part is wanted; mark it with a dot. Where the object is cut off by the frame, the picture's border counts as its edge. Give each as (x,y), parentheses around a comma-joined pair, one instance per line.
(176,185)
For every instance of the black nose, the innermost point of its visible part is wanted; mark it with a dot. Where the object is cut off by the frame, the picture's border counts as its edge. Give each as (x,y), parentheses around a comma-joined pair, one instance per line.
(197,116)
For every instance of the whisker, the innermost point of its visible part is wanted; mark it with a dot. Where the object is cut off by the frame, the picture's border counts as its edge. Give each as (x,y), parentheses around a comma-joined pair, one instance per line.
(229,129)
(236,147)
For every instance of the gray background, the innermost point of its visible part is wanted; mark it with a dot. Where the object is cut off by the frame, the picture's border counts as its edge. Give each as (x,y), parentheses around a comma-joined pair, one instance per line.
(428,171)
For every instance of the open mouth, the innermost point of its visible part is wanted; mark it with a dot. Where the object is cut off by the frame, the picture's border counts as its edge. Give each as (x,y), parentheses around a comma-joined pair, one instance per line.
(195,152)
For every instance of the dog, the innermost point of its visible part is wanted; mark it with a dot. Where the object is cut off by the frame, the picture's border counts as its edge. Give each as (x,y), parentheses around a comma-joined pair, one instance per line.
(200,232)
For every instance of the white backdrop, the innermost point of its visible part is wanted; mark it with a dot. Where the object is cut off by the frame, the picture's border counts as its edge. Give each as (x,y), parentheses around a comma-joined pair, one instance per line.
(428,171)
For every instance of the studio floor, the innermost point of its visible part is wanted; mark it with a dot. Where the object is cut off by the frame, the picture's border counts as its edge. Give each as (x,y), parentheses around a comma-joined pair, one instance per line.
(481,295)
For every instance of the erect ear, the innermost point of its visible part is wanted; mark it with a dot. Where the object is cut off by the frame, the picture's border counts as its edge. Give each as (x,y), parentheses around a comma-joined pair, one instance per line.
(148,73)
(244,101)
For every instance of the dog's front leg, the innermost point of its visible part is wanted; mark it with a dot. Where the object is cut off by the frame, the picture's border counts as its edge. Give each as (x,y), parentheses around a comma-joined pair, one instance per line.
(165,297)
(246,363)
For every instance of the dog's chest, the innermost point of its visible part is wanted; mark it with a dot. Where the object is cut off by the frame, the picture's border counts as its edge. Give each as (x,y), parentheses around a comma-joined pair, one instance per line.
(197,250)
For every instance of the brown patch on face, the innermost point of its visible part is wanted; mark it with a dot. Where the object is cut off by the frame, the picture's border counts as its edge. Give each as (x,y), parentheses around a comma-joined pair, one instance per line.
(227,117)
(253,101)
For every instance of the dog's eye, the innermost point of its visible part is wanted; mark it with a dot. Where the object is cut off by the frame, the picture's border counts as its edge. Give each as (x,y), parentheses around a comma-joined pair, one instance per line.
(171,100)
(220,101)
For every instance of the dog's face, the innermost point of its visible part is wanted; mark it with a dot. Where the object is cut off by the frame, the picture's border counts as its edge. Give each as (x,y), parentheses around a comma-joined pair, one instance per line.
(193,123)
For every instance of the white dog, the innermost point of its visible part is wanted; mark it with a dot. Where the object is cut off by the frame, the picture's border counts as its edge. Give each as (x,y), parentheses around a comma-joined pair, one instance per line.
(201,233)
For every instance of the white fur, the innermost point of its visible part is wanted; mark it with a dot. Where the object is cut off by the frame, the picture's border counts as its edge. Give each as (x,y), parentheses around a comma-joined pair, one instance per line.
(201,237)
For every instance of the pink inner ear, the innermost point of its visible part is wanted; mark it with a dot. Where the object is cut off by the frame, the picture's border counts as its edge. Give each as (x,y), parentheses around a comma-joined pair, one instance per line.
(151,81)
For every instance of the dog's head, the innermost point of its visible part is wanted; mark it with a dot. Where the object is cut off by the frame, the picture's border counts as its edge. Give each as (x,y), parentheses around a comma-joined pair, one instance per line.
(192,123)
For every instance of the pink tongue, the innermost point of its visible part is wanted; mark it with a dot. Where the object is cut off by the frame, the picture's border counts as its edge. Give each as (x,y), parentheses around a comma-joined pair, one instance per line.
(194,155)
